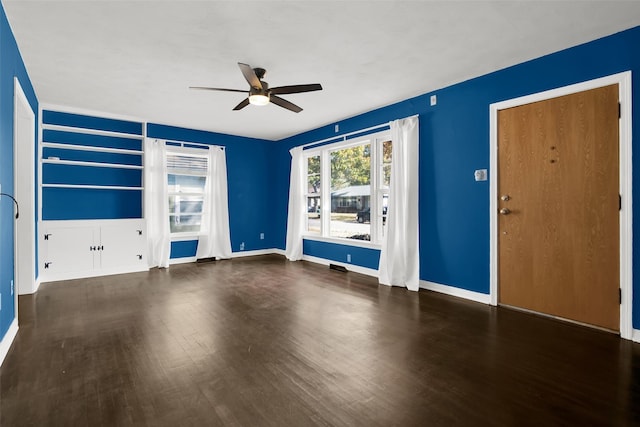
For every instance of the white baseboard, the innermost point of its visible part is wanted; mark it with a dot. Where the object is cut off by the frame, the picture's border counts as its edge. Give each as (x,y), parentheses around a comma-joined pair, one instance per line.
(456,292)
(349,267)
(6,342)
(636,335)
(56,277)
(254,253)
(184,260)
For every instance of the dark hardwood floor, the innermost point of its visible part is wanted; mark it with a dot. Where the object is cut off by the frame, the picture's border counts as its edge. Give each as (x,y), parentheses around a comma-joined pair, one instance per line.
(265,342)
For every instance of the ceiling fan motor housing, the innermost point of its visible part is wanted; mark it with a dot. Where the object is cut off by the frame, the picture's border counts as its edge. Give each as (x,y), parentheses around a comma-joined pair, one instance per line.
(260,72)
(259,91)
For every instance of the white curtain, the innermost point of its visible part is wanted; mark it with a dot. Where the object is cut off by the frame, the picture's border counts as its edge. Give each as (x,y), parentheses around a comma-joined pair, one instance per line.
(215,238)
(156,203)
(399,257)
(297,203)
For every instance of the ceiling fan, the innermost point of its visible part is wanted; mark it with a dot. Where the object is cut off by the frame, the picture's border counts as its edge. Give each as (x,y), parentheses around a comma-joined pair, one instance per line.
(260,93)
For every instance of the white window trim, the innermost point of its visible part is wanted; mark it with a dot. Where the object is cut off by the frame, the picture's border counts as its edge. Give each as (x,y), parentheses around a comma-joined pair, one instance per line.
(324,151)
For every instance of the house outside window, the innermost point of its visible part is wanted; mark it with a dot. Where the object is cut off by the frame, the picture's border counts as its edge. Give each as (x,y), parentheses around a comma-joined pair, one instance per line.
(186,175)
(352,178)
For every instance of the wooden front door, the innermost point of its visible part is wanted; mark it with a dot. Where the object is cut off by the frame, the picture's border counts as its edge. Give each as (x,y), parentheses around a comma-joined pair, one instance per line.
(558,184)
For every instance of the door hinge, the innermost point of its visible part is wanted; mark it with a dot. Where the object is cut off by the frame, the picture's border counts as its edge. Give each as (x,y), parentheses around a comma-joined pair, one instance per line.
(619,110)
(619,202)
(46,236)
(620,296)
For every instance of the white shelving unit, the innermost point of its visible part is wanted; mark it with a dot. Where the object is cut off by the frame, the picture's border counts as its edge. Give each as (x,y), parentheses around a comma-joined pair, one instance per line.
(101,242)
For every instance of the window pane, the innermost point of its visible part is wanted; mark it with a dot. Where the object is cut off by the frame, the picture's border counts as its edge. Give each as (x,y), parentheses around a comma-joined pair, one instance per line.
(386,163)
(186,183)
(313,215)
(351,193)
(184,223)
(313,175)
(185,204)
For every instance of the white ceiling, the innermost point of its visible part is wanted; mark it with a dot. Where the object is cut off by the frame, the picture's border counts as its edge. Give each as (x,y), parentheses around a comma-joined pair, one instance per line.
(137,58)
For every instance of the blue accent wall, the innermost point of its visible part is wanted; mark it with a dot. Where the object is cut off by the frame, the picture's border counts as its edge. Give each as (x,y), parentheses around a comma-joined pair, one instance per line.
(250,177)
(454,141)
(183,249)
(11,65)
(363,257)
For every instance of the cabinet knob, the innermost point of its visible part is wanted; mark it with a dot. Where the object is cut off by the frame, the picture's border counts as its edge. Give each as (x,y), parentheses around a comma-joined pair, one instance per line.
(139,256)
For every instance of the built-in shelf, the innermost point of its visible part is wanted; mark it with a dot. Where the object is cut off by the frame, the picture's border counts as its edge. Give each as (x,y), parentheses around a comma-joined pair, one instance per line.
(92,164)
(88,131)
(91,148)
(85,164)
(93,187)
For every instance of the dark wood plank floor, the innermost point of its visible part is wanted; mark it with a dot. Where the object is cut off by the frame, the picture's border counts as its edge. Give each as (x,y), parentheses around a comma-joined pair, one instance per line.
(265,342)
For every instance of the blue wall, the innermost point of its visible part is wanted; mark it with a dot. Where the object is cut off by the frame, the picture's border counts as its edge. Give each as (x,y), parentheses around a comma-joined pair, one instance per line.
(454,141)
(11,65)
(249,176)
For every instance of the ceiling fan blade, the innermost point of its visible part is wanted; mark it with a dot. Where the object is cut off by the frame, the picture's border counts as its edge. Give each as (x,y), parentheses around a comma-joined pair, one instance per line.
(285,104)
(250,75)
(282,90)
(243,104)
(217,88)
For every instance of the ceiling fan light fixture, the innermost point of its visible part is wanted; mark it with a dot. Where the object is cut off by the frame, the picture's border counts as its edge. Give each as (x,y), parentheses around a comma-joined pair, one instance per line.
(258,99)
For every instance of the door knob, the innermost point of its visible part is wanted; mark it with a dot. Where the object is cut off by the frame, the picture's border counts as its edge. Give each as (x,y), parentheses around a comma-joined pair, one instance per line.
(505,211)
(505,198)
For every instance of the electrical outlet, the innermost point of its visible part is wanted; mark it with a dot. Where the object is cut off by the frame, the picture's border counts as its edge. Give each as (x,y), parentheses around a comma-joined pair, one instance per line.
(337,128)
(242,246)
(0,302)
(433,100)
(12,287)
(348,257)
(261,236)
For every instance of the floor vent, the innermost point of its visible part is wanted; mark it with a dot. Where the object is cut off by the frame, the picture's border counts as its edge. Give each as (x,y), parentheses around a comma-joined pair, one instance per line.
(210,259)
(338,268)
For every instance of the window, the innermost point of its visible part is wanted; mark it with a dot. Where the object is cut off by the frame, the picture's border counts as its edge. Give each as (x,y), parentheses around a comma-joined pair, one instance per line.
(186,174)
(313,194)
(348,188)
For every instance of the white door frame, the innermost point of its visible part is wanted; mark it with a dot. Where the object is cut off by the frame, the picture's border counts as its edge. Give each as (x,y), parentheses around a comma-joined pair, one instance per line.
(24,191)
(626,238)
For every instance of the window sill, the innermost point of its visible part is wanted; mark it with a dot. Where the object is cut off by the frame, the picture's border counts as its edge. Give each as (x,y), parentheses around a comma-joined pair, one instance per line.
(346,242)
(181,237)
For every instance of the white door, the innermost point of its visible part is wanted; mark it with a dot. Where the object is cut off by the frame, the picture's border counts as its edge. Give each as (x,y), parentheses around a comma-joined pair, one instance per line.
(24,192)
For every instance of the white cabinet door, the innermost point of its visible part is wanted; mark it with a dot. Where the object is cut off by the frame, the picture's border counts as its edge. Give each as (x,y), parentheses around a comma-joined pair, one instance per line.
(122,245)
(70,249)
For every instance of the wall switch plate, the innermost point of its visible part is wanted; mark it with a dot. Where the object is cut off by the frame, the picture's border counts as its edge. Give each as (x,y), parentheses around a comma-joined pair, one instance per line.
(480,175)
(12,287)
(348,257)
(433,100)
(337,128)
(261,236)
